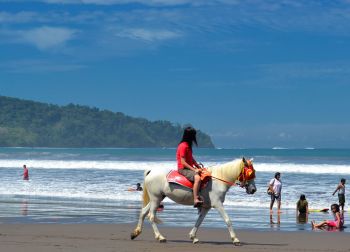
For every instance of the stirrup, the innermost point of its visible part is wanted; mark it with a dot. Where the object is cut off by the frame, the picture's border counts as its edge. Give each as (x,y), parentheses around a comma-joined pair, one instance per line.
(198,204)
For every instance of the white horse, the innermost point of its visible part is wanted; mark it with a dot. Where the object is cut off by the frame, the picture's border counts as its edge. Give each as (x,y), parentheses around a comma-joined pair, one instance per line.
(156,188)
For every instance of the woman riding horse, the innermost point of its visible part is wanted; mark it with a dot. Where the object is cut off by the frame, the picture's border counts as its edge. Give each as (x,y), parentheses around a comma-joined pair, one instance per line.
(187,165)
(156,188)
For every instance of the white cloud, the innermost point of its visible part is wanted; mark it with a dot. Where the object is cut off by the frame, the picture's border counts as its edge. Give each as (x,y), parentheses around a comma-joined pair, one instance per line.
(111,2)
(19,17)
(144,2)
(47,37)
(38,66)
(148,35)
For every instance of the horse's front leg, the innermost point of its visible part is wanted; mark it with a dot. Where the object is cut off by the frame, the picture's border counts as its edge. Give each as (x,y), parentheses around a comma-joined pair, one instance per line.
(228,222)
(203,212)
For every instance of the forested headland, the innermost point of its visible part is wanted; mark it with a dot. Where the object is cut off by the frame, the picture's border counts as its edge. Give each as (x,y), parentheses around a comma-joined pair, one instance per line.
(27,123)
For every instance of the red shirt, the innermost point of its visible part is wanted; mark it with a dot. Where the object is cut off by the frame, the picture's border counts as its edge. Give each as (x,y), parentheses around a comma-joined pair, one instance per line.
(184,150)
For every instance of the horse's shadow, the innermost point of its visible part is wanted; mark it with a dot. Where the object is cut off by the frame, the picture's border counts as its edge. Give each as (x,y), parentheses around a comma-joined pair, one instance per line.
(230,243)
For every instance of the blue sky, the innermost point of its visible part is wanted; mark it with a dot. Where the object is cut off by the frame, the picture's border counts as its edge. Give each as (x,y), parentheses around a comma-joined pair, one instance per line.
(254,73)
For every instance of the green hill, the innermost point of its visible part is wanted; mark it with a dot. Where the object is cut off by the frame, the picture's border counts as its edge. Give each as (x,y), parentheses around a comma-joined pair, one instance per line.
(34,124)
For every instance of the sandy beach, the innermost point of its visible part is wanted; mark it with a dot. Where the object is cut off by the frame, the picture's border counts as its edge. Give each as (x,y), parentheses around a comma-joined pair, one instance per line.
(116,237)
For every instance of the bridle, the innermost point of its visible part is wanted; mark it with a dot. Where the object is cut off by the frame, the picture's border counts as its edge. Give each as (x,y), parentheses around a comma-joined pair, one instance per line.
(247,173)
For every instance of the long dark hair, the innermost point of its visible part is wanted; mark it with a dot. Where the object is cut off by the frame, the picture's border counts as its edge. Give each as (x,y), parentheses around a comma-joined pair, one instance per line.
(189,136)
(336,206)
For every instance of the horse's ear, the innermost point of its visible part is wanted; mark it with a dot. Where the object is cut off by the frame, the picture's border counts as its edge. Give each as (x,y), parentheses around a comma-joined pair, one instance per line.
(244,161)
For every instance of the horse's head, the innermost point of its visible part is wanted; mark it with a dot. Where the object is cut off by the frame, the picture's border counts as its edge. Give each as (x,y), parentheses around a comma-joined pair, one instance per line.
(247,176)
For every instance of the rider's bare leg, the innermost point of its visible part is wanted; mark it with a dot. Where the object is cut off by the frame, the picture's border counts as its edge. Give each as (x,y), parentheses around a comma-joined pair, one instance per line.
(196,185)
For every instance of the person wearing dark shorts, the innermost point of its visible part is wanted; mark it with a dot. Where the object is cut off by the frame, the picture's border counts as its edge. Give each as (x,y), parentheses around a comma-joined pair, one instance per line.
(341,193)
(275,186)
(189,174)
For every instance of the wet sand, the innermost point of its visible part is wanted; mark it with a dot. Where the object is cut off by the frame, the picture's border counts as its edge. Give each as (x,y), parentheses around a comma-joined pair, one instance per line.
(116,237)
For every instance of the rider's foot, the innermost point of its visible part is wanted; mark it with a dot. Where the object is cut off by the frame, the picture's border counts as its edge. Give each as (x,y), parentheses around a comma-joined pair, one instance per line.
(198,203)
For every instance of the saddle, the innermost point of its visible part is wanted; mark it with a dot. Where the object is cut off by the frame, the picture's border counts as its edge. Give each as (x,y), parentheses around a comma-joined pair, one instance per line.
(175,177)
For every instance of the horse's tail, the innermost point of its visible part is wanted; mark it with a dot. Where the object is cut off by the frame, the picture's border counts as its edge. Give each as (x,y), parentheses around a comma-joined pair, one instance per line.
(145,196)
(146,199)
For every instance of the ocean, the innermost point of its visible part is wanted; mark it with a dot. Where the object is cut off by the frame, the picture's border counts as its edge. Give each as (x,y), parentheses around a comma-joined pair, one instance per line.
(90,185)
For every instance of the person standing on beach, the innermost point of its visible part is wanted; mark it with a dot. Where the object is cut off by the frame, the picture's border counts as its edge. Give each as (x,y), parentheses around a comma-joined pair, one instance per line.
(341,193)
(187,165)
(275,186)
(25,173)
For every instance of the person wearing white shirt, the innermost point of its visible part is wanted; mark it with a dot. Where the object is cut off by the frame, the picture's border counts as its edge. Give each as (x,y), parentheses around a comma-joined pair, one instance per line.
(275,186)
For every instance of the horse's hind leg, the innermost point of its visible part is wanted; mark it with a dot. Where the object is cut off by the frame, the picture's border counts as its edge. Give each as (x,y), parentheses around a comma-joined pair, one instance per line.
(153,210)
(143,214)
(203,212)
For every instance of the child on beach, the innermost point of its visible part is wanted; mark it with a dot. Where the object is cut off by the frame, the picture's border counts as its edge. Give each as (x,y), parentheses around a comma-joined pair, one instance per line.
(341,193)
(337,223)
(302,205)
(302,210)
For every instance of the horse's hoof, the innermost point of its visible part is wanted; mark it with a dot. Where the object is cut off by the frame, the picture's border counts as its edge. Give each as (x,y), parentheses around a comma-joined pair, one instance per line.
(133,236)
(236,242)
(135,233)
(162,240)
(195,240)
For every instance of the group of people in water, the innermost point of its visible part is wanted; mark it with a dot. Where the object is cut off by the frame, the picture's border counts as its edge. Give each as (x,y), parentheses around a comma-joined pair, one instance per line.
(302,206)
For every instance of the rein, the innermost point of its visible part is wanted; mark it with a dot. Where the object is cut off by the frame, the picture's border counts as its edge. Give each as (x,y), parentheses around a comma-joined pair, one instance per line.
(228,182)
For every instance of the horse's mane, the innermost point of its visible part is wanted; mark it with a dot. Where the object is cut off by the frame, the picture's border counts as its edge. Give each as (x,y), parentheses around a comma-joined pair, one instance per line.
(227,171)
